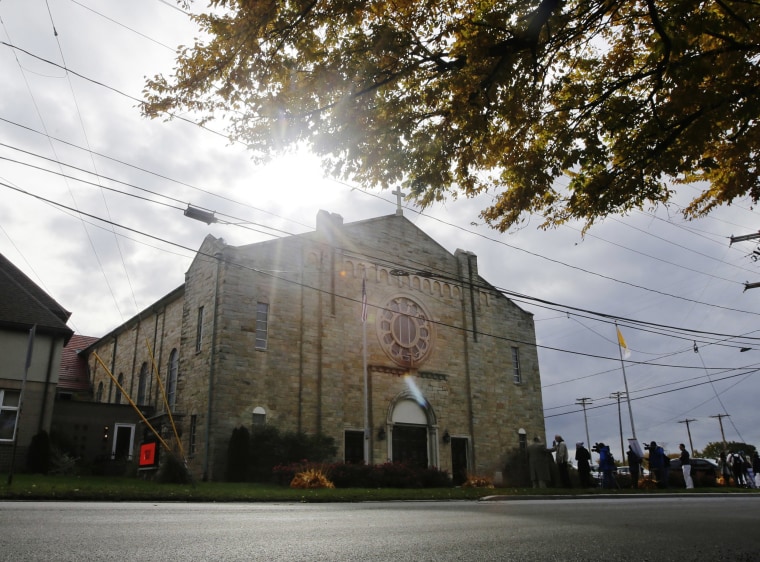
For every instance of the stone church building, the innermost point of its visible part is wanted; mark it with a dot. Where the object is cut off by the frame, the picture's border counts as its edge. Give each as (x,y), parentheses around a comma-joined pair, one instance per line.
(369,332)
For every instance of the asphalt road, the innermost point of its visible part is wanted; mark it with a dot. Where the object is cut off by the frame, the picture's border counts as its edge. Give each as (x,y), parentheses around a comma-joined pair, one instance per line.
(642,529)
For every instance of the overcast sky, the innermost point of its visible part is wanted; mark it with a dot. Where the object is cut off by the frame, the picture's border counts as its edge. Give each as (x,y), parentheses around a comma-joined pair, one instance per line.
(671,285)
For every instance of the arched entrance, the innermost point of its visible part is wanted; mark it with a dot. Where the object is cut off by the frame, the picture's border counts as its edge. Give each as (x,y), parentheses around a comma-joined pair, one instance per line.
(412,433)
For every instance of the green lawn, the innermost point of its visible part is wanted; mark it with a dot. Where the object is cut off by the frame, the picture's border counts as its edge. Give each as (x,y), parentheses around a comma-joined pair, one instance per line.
(93,488)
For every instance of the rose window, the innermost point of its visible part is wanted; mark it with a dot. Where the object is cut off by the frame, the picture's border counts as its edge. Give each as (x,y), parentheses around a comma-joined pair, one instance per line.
(404,332)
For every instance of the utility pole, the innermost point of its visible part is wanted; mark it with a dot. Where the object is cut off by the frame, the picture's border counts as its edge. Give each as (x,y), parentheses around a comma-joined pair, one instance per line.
(618,395)
(747,285)
(688,430)
(582,402)
(720,421)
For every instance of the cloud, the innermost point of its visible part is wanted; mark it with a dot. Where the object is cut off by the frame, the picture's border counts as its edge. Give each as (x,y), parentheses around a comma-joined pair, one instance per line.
(649,267)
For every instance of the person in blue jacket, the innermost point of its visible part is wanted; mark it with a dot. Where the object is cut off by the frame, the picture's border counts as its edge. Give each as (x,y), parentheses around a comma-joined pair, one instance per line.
(606,465)
(657,463)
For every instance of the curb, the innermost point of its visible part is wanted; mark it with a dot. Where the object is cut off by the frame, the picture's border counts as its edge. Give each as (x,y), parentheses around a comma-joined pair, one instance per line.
(523,497)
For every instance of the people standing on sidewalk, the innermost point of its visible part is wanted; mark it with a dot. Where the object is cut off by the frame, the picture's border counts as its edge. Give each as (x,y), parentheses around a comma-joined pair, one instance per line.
(583,460)
(736,462)
(686,467)
(606,465)
(657,463)
(561,458)
(539,463)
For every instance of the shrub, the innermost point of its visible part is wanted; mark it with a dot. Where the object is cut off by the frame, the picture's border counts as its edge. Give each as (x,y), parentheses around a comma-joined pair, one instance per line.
(38,454)
(515,473)
(63,457)
(350,475)
(269,449)
(395,475)
(358,475)
(283,474)
(648,483)
(238,451)
(434,477)
(311,478)
(474,481)
(171,470)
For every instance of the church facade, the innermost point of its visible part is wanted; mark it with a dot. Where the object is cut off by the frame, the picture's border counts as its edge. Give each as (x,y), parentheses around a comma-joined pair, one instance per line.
(369,332)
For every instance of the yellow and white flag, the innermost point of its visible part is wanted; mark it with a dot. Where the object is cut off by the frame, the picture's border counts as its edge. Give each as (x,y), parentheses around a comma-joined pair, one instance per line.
(623,347)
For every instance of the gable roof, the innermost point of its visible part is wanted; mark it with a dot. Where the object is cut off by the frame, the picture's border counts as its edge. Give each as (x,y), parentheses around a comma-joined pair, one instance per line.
(73,375)
(23,304)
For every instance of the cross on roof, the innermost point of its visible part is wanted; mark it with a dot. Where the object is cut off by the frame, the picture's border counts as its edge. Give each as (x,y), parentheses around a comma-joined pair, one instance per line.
(399,195)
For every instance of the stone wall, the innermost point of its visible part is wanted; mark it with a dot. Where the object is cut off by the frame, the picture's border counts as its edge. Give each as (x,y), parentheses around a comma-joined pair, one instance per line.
(310,376)
(147,339)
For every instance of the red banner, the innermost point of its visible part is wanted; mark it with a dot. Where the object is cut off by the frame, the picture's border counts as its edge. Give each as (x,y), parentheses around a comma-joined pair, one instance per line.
(148,456)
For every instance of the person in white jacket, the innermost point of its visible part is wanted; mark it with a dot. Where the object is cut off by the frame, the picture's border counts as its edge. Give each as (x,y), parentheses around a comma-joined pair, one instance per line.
(686,467)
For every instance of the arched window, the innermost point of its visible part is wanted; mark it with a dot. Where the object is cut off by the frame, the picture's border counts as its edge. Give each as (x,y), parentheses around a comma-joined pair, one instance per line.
(259,417)
(142,384)
(171,385)
(120,380)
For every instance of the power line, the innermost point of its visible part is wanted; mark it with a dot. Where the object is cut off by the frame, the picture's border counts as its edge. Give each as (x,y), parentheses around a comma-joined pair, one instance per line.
(634,285)
(92,160)
(125,26)
(753,371)
(537,255)
(117,91)
(242,222)
(514,296)
(428,216)
(512,340)
(52,148)
(153,173)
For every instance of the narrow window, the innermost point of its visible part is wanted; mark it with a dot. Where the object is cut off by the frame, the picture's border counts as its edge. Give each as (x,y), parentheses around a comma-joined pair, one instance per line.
(9,402)
(99,395)
(120,380)
(516,375)
(523,441)
(142,384)
(259,417)
(199,331)
(171,386)
(262,319)
(191,436)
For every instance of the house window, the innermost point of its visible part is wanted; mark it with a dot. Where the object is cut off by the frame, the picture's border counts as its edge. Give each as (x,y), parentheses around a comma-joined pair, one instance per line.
(191,436)
(516,374)
(199,331)
(99,395)
(262,319)
(9,402)
(171,387)
(120,380)
(142,384)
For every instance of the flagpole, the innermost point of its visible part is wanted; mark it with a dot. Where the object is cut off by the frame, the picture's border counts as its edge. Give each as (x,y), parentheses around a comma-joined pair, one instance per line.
(625,379)
(366,377)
